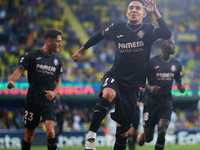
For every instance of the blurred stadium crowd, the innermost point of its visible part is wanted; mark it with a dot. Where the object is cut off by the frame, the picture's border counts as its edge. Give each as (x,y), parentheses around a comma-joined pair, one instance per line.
(22,25)
(77,118)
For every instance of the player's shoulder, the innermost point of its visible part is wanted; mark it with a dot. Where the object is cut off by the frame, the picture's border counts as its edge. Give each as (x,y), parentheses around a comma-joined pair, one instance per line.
(58,56)
(118,25)
(174,60)
(32,53)
(149,25)
(155,58)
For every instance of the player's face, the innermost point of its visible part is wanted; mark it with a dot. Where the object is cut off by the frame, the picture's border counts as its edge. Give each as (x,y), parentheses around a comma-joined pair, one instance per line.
(169,46)
(56,44)
(135,13)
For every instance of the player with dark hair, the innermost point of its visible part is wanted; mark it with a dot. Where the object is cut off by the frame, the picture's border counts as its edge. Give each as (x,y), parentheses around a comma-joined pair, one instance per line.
(133,41)
(163,69)
(44,77)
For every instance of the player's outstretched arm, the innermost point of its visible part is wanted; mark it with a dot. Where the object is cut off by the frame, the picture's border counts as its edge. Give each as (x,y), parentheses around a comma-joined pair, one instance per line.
(77,55)
(14,77)
(92,41)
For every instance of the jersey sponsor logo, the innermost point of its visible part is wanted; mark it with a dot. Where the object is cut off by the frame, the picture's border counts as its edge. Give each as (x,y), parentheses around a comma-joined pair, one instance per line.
(45,69)
(96,110)
(38,58)
(55,62)
(164,76)
(119,36)
(173,68)
(140,34)
(131,50)
(131,45)
(156,67)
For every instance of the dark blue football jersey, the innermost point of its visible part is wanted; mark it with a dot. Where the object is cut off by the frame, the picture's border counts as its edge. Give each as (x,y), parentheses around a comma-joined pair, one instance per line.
(162,73)
(43,70)
(133,48)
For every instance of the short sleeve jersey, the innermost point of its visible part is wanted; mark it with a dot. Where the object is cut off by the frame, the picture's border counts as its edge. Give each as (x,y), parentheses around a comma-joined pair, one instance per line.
(43,70)
(162,73)
(133,48)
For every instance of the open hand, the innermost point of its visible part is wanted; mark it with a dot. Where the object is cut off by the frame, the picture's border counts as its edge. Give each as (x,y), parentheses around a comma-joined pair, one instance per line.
(151,6)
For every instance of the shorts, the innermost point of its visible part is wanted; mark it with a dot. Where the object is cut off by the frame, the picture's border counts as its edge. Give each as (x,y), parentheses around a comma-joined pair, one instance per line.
(125,100)
(136,118)
(35,113)
(153,113)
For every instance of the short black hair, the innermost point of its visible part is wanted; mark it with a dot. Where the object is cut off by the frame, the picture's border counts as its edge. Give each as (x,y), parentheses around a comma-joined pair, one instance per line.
(164,41)
(141,1)
(52,33)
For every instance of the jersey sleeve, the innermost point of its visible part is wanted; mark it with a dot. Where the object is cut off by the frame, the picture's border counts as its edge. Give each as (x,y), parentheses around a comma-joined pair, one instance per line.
(152,37)
(179,74)
(25,61)
(108,32)
(60,69)
(163,30)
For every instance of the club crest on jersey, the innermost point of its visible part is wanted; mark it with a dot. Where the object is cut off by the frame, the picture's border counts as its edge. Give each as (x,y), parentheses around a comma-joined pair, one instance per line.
(55,62)
(173,68)
(140,34)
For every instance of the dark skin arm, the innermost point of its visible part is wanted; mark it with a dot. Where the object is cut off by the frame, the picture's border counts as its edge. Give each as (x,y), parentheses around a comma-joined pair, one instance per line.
(153,89)
(180,87)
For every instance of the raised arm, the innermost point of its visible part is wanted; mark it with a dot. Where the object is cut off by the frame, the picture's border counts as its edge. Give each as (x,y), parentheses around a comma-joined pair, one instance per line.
(163,30)
(92,41)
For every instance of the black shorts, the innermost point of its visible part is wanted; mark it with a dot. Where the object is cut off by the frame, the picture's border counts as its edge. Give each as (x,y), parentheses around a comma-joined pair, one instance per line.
(136,118)
(35,113)
(153,113)
(125,100)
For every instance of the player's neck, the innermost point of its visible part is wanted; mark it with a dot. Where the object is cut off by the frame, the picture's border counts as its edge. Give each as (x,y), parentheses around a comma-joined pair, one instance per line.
(134,23)
(165,56)
(46,50)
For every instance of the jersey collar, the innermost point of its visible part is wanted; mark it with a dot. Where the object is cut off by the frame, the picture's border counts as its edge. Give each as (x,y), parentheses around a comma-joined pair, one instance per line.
(133,30)
(165,60)
(46,53)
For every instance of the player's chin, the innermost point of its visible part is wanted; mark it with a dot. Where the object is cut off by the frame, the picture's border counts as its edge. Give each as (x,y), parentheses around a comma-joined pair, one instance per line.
(133,21)
(57,49)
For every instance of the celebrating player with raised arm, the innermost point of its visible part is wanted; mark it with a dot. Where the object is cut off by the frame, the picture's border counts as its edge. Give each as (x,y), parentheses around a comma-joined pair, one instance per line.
(133,40)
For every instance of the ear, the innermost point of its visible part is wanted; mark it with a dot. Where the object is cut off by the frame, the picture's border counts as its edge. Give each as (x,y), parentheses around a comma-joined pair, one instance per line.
(48,41)
(145,13)
(127,14)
